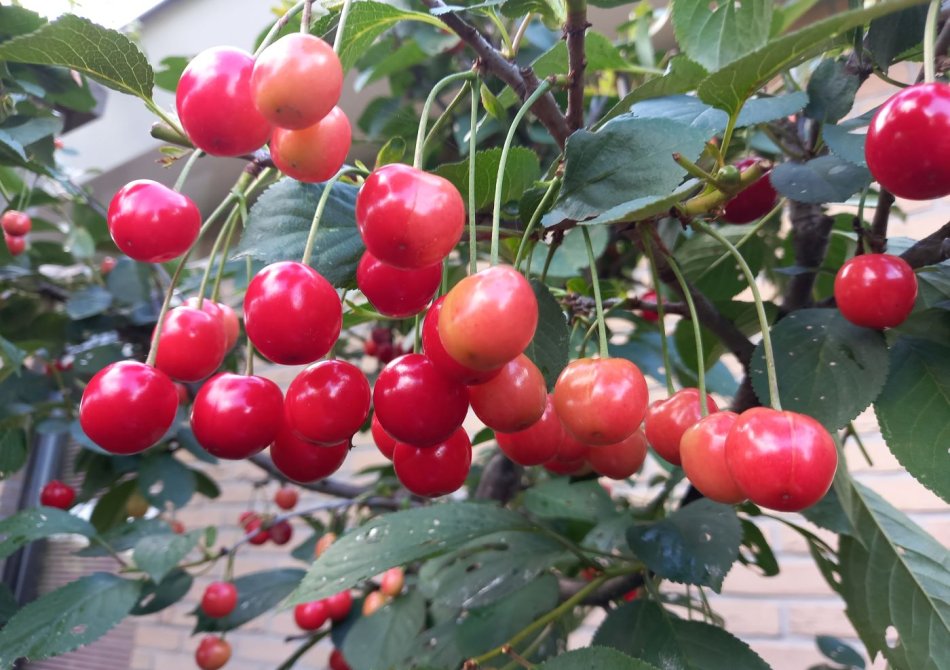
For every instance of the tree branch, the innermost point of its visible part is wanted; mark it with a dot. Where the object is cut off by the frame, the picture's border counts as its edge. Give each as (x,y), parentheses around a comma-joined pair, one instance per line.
(574,30)
(877,238)
(935,248)
(501,480)
(610,590)
(811,228)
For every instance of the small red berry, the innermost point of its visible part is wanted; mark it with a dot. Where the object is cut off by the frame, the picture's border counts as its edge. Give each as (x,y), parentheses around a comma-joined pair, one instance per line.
(219,599)
(286,497)
(57,494)
(312,615)
(212,653)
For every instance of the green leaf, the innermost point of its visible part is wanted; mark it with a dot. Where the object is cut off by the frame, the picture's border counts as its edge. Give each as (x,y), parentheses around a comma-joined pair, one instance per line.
(16,20)
(553,12)
(400,538)
(156,597)
(829,514)
(157,555)
(67,618)
(383,641)
(718,37)
(279,223)
(890,37)
(8,604)
(549,348)
(913,407)
(13,451)
(645,630)
(742,314)
(172,67)
(843,144)
(820,180)
(36,523)
(127,535)
(205,485)
(391,152)
(571,256)
(731,86)
(699,260)
(640,208)
(70,41)
(682,76)
(522,170)
(589,658)
(258,592)
(627,159)
(491,104)
(894,577)
(110,510)
(561,499)
(164,479)
(839,652)
(697,544)
(88,302)
(755,550)
(827,367)
(831,91)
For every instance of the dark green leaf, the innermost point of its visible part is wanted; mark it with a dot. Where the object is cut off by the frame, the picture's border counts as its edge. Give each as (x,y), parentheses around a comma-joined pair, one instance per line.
(888,38)
(839,651)
(164,479)
(16,20)
(382,641)
(205,485)
(913,409)
(769,108)
(551,11)
(157,555)
(11,357)
(88,302)
(831,91)
(391,152)
(718,37)
(849,146)
(829,514)
(549,348)
(640,208)
(590,658)
(491,105)
(827,367)
(755,550)
(172,67)
(67,618)
(127,535)
(36,523)
(820,180)
(129,282)
(697,544)
(258,592)
(110,509)
(699,260)
(561,499)
(682,76)
(8,604)
(156,597)
(12,451)
(521,171)
(742,314)
(571,256)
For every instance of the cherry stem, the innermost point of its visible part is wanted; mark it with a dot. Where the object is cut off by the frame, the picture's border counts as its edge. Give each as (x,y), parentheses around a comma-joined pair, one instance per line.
(278,26)
(225,233)
(446,115)
(759,308)
(249,361)
(421,134)
(660,312)
(165,117)
(185,171)
(341,26)
(538,212)
(472,145)
(930,41)
(727,135)
(519,35)
(500,180)
(305,17)
(215,290)
(696,171)
(321,205)
(752,232)
(853,432)
(598,302)
(697,334)
(555,243)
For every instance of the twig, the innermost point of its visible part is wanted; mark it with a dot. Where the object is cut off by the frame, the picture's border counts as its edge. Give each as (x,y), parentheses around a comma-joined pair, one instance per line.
(575,29)
(935,248)
(811,229)
(877,237)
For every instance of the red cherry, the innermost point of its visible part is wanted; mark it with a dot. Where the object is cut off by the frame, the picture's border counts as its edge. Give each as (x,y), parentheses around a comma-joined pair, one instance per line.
(236,416)
(312,615)
(316,153)
(177,526)
(416,403)
(191,344)
(573,468)
(231,326)
(908,142)
(339,605)
(513,400)
(286,497)
(781,460)
(667,420)
(392,582)
(571,450)
(107,265)
(280,532)
(409,218)
(620,460)
(435,351)
(370,348)
(754,201)
(704,459)
(601,401)
(372,602)
(127,407)
(183,396)
(219,599)
(212,653)
(385,442)
(215,105)
(15,245)
(876,290)
(251,525)
(15,224)
(337,662)
(536,444)
(498,301)
(57,494)
(296,81)
(381,335)
(246,517)
(394,292)
(292,314)
(648,314)
(437,470)
(304,461)
(151,223)
(328,402)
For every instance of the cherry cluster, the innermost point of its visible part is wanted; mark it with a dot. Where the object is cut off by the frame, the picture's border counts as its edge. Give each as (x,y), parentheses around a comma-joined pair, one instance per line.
(16,225)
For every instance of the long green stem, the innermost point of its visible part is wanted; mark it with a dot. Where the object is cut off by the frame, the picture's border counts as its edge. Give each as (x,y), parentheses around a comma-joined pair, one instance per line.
(598,301)
(660,311)
(278,25)
(224,233)
(539,210)
(427,106)
(219,275)
(446,115)
(472,145)
(930,39)
(555,243)
(749,234)
(341,26)
(500,180)
(185,171)
(759,308)
(697,333)
(249,361)
(727,135)
(165,117)
(318,214)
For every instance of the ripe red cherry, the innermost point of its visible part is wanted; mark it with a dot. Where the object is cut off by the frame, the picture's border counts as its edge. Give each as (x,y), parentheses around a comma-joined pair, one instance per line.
(392,582)
(219,599)
(304,461)
(601,401)
(316,153)
(222,312)
(372,602)
(177,526)
(236,416)
(536,444)
(908,143)
(394,292)
(571,449)
(339,605)
(498,301)
(215,105)
(107,265)
(212,653)
(573,468)
(337,662)
(152,223)
(648,314)
(702,450)
(286,497)
(754,201)
(385,442)
(292,314)
(667,420)
(296,81)
(191,344)
(280,532)
(252,524)
(876,290)
(781,460)
(15,224)
(514,399)
(57,494)
(435,351)
(15,245)
(620,460)
(127,407)
(416,403)
(409,218)
(312,615)
(328,402)
(437,470)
